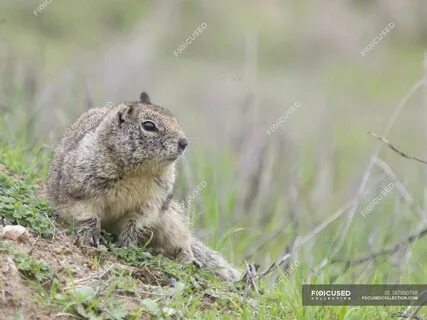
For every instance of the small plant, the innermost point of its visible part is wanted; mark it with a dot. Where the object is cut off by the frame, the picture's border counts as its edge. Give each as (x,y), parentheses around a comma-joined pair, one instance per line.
(132,256)
(86,302)
(33,269)
(19,205)
(30,268)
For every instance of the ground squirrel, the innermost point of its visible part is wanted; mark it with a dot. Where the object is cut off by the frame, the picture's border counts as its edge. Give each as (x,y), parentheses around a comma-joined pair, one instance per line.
(114,169)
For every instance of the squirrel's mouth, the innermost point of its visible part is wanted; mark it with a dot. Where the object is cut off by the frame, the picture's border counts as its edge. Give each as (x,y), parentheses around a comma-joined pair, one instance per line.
(172,159)
(175,157)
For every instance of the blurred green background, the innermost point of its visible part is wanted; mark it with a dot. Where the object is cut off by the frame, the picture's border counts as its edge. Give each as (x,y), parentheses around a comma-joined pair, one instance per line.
(231,84)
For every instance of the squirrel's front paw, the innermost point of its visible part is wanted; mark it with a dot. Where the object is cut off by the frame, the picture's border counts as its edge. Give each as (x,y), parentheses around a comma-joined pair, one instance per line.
(91,237)
(90,234)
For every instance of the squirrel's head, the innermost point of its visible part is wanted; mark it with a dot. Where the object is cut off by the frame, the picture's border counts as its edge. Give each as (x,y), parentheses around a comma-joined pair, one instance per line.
(143,133)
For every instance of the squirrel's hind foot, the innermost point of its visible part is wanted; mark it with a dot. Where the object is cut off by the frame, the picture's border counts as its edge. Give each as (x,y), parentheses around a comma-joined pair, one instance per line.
(132,236)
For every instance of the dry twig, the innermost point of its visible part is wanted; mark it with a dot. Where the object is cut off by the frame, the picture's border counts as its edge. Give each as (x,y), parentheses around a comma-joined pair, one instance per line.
(396,149)
(298,242)
(375,154)
(33,246)
(385,252)
(401,188)
(69,315)
(365,178)
(250,278)
(351,206)
(274,266)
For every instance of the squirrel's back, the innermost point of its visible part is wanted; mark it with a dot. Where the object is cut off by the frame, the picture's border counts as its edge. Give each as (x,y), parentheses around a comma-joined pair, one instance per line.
(86,123)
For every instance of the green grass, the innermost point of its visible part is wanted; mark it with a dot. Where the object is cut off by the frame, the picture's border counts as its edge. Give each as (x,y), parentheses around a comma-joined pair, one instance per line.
(197,294)
(19,205)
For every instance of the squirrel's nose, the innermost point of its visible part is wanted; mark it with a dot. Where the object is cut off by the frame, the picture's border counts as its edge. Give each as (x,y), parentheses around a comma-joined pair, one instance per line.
(182,144)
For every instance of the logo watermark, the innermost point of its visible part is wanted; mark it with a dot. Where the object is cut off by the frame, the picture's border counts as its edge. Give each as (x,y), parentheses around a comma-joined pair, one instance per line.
(109,104)
(377,199)
(197,32)
(377,39)
(42,7)
(284,276)
(363,294)
(192,195)
(90,125)
(282,119)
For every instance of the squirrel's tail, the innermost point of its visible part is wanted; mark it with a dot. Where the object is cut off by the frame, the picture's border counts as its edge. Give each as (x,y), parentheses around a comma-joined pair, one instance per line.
(213,260)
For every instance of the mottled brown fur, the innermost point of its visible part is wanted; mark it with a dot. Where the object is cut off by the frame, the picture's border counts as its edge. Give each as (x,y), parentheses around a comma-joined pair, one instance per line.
(113,171)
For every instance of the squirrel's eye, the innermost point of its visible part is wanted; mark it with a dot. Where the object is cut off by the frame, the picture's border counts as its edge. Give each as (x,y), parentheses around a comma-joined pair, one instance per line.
(149,126)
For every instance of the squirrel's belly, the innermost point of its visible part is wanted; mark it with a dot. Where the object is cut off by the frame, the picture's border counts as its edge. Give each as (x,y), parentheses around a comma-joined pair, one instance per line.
(131,196)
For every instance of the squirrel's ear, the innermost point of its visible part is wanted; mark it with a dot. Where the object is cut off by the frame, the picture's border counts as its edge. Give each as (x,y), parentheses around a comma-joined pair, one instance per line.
(144,98)
(125,113)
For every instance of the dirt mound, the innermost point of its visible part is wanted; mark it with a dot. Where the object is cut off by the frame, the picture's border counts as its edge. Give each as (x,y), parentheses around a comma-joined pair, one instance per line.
(16,301)
(46,263)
